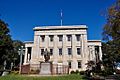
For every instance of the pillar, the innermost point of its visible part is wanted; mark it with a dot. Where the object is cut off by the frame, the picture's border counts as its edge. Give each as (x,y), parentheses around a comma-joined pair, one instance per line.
(25,58)
(100,53)
(55,51)
(64,48)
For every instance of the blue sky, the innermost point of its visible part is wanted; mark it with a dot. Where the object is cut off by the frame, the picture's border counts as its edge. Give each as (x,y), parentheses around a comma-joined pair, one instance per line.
(23,15)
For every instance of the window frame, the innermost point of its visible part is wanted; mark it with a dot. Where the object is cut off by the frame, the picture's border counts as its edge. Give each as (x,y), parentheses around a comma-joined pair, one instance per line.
(60,51)
(51,51)
(69,51)
(60,38)
(78,51)
(69,37)
(69,64)
(78,37)
(42,38)
(51,37)
(42,52)
(79,64)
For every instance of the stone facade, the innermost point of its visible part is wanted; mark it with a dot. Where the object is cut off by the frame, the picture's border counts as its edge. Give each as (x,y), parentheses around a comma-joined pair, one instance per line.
(68,45)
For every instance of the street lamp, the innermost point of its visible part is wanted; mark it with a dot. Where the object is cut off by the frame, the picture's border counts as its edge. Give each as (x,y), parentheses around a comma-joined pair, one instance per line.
(21,53)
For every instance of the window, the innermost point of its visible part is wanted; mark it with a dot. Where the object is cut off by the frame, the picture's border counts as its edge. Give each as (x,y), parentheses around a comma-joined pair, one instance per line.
(42,51)
(51,37)
(79,64)
(69,51)
(51,51)
(68,37)
(78,51)
(60,37)
(29,52)
(43,38)
(69,64)
(60,51)
(78,37)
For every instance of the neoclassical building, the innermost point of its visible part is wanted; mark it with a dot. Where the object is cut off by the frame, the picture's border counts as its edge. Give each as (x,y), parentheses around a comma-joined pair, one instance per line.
(68,45)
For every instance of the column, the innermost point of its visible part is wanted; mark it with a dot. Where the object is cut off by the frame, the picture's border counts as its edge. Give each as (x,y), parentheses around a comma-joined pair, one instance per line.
(64,49)
(93,53)
(34,55)
(73,45)
(74,54)
(100,53)
(55,51)
(38,46)
(25,58)
(84,51)
(46,42)
(82,46)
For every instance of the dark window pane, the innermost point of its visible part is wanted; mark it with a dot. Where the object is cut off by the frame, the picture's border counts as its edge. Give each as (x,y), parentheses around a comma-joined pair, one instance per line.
(42,51)
(43,38)
(79,64)
(60,37)
(51,37)
(69,37)
(78,51)
(69,51)
(69,64)
(78,37)
(51,51)
(60,51)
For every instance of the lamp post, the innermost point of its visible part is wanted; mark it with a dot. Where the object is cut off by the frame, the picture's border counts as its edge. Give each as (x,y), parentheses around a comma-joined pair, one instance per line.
(21,53)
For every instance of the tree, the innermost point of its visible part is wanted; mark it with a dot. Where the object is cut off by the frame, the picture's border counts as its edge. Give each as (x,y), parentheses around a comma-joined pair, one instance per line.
(15,58)
(111,30)
(111,33)
(110,57)
(112,27)
(5,42)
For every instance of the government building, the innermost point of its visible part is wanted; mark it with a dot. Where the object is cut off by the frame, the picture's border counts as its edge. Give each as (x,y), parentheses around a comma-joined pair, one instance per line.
(67,45)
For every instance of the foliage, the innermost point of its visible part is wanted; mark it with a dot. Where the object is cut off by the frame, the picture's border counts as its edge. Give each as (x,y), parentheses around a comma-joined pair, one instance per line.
(14,72)
(111,33)
(82,72)
(8,47)
(27,77)
(112,27)
(15,56)
(5,42)
(110,56)
(74,72)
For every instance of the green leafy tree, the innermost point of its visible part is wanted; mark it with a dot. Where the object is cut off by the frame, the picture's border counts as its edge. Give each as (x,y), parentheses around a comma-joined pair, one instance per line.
(112,27)
(111,33)
(110,56)
(15,57)
(5,42)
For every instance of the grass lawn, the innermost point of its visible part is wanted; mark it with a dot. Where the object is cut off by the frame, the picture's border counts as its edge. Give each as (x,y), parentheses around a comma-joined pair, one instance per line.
(26,77)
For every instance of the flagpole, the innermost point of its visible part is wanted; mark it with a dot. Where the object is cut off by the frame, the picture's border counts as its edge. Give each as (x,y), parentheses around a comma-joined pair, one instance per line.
(61,14)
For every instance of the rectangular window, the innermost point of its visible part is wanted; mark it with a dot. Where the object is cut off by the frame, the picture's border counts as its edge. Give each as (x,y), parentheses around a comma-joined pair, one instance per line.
(78,51)
(43,38)
(69,64)
(51,51)
(42,51)
(29,52)
(79,64)
(69,37)
(60,51)
(60,37)
(69,51)
(78,37)
(51,37)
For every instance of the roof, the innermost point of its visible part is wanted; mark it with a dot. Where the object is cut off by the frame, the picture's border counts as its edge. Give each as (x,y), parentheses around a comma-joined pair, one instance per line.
(60,27)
